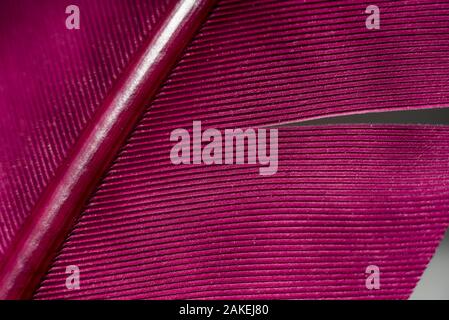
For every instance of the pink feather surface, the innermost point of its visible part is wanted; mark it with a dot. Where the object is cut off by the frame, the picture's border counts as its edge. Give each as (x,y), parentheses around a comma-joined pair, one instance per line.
(343,198)
(52,80)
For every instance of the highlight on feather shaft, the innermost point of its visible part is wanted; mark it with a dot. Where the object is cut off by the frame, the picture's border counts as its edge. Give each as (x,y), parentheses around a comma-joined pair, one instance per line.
(61,202)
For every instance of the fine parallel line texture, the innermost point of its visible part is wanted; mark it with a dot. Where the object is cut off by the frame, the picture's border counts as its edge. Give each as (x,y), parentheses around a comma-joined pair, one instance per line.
(307,60)
(53,79)
(344,197)
(209,232)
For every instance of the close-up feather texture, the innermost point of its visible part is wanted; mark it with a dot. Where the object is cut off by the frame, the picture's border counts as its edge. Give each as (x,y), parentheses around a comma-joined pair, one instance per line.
(86,177)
